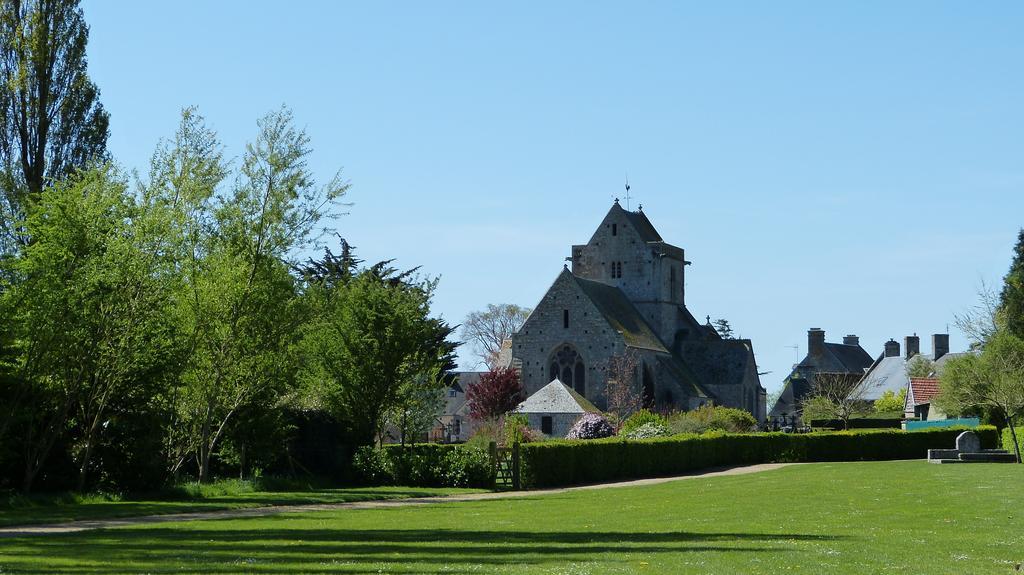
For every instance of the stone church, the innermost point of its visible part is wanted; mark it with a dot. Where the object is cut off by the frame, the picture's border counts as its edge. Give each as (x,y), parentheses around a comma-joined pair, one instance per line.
(624,295)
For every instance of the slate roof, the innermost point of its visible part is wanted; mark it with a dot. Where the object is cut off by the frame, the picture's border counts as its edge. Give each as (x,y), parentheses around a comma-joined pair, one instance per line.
(643,226)
(461,382)
(924,389)
(888,374)
(852,357)
(941,362)
(556,397)
(684,376)
(720,361)
(621,314)
(838,358)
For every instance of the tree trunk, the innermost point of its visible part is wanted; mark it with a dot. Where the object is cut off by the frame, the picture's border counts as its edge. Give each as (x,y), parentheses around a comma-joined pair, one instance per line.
(204,462)
(241,463)
(1013,436)
(83,469)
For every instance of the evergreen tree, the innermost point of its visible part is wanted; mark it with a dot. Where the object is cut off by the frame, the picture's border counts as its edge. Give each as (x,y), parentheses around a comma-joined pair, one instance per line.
(1011,300)
(724,329)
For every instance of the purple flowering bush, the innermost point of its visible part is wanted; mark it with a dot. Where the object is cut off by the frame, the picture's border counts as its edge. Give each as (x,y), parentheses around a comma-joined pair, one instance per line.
(591,426)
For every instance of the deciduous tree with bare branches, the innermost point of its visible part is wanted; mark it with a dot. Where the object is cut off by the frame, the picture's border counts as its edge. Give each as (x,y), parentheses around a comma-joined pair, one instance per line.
(837,396)
(622,389)
(486,330)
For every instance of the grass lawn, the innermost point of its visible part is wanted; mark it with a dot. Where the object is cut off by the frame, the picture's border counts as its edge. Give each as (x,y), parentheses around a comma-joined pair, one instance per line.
(885,517)
(221,495)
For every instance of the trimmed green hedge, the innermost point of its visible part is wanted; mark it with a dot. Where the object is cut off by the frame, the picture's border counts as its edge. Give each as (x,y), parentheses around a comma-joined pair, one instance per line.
(1008,439)
(555,463)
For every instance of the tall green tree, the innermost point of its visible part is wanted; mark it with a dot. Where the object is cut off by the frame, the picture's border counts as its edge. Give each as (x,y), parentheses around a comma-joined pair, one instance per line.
(371,348)
(1011,300)
(87,312)
(51,118)
(239,305)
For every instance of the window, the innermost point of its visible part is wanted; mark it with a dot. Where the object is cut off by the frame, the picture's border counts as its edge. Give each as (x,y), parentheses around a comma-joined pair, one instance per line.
(615,229)
(567,366)
(545,425)
(616,270)
(565,318)
(452,393)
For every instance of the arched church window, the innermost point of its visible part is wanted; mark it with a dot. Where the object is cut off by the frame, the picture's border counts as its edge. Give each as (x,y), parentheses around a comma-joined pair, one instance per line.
(567,365)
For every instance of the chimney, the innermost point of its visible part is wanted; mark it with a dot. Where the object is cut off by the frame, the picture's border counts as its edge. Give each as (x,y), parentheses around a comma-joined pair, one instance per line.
(940,345)
(815,342)
(892,348)
(851,340)
(913,345)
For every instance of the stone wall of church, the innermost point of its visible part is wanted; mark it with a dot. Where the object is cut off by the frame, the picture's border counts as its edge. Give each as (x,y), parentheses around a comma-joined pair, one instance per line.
(544,332)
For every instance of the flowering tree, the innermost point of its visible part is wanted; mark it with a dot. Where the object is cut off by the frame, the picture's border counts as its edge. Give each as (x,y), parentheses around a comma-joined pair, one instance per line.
(623,392)
(498,392)
(591,426)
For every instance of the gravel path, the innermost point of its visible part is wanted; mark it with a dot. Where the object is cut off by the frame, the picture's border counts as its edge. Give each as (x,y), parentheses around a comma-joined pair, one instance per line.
(85,525)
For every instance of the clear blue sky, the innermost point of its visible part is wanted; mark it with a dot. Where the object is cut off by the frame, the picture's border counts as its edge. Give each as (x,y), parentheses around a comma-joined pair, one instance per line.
(851,166)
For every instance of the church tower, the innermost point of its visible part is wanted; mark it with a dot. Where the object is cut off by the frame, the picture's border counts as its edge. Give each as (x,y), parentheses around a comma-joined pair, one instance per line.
(628,253)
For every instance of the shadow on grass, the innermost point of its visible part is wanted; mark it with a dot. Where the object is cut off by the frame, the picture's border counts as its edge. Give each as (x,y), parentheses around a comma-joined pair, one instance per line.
(362,550)
(58,511)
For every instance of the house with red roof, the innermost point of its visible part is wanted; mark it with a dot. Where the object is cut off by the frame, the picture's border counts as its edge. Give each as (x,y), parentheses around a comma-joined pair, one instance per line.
(918,404)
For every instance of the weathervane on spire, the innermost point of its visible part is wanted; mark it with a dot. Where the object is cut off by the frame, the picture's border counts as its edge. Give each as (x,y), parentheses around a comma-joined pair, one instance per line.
(627,192)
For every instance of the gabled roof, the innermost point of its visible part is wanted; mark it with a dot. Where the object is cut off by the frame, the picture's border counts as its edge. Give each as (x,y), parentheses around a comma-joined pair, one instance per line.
(923,389)
(643,226)
(621,314)
(852,357)
(556,397)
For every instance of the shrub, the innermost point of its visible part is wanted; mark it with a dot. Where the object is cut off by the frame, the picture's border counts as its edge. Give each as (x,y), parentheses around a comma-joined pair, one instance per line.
(517,430)
(711,417)
(555,463)
(591,426)
(424,465)
(467,467)
(647,431)
(891,402)
(641,418)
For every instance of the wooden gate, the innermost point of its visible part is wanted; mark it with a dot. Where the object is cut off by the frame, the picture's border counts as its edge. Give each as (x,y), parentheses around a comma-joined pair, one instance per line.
(506,466)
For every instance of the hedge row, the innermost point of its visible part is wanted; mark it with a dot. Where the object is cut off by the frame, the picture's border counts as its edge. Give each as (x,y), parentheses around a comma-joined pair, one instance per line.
(556,463)
(1008,439)
(424,465)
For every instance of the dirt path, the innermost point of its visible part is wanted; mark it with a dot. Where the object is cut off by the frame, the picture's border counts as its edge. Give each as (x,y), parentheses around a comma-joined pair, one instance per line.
(85,525)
